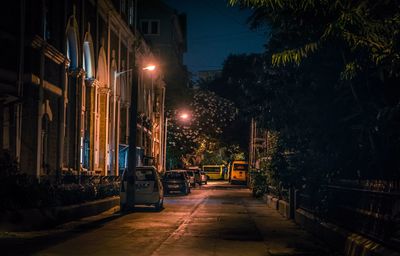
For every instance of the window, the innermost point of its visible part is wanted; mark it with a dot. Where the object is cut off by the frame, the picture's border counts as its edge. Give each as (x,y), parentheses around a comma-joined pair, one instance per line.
(123,6)
(145,175)
(145,27)
(130,14)
(154,27)
(150,27)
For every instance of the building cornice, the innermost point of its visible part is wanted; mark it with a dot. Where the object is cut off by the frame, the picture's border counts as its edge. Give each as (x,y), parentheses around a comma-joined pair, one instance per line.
(50,51)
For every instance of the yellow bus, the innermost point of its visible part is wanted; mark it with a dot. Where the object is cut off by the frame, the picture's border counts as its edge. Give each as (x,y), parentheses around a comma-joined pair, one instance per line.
(239,171)
(214,172)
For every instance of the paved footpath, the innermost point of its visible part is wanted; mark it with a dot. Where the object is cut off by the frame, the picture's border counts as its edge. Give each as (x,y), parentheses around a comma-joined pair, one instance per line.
(218,219)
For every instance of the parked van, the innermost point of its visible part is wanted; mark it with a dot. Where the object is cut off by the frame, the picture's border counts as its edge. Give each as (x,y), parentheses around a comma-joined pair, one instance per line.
(148,187)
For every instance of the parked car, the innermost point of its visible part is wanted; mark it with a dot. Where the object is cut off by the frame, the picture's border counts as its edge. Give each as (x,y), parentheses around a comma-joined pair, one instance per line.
(199,175)
(192,178)
(148,187)
(176,181)
(203,177)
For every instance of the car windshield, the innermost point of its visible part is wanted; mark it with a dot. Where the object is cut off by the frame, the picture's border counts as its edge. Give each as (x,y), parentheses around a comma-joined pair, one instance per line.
(174,175)
(240,167)
(142,175)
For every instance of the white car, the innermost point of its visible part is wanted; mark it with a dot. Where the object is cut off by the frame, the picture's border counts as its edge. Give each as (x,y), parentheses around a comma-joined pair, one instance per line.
(148,187)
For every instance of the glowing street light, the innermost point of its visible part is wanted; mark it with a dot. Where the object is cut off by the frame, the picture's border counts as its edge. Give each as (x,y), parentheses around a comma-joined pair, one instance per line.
(184,116)
(150,68)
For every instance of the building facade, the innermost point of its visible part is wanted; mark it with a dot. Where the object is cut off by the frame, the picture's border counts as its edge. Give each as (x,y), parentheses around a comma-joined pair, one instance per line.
(66,79)
(165,30)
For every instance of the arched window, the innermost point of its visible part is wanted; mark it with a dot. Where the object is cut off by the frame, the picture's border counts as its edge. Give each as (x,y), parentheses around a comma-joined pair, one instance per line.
(101,74)
(100,147)
(88,56)
(72,43)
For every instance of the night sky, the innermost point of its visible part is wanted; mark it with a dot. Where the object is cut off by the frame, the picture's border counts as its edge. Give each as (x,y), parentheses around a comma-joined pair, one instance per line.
(214,31)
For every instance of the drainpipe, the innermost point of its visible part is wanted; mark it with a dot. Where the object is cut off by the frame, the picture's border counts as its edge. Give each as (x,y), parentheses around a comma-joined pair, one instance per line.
(117,112)
(116,133)
(62,108)
(107,151)
(80,79)
(40,103)
(20,83)
(40,115)
(61,127)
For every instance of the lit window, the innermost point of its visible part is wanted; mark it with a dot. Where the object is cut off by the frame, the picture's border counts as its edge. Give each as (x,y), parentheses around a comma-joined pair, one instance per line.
(131,14)
(123,6)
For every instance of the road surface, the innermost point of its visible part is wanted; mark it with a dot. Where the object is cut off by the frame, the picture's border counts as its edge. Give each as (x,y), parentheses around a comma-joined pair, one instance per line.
(216,219)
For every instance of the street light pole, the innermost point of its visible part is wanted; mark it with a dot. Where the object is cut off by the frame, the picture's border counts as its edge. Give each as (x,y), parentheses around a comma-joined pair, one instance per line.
(128,188)
(127,201)
(115,125)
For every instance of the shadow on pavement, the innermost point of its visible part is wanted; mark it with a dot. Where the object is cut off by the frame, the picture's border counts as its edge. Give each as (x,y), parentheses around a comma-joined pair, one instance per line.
(145,209)
(25,245)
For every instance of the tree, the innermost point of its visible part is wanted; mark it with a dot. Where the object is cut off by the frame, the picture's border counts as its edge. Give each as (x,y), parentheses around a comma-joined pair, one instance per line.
(338,67)
(189,141)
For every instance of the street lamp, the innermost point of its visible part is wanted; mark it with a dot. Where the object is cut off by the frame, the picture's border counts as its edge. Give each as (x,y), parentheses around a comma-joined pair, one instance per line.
(184,116)
(150,68)
(149,144)
(127,201)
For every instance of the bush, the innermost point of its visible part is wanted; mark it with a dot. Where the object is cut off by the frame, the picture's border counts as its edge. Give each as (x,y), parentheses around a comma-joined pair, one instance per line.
(259,183)
(22,192)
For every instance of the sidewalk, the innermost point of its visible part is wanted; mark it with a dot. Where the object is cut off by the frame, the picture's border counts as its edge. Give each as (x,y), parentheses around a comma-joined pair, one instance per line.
(23,243)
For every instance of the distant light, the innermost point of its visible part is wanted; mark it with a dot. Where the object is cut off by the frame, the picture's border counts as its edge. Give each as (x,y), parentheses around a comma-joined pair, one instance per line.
(150,68)
(184,116)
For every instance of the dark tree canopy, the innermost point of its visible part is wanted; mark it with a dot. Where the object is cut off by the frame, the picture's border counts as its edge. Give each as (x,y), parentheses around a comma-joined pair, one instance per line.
(327,86)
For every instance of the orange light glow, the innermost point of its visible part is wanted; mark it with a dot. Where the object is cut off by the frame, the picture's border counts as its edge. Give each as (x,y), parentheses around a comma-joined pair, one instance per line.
(150,68)
(184,116)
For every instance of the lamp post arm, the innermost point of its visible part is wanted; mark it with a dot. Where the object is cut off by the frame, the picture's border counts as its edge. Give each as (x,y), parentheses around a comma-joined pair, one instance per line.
(123,72)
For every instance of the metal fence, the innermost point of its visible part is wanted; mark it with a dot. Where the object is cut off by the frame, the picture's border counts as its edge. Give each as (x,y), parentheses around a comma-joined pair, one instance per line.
(370,207)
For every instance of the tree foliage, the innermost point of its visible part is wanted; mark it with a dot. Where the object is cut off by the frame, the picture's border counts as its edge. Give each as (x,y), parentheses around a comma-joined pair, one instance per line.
(194,139)
(329,88)
(371,27)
